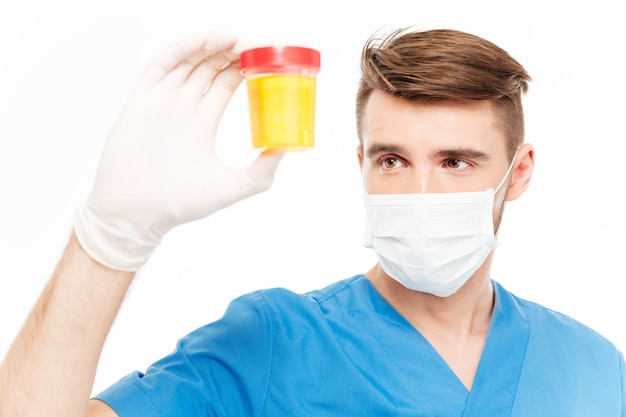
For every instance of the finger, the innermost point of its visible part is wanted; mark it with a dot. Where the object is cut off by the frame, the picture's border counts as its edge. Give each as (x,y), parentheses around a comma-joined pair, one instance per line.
(208,65)
(207,69)
(183,55)
(199,69)
(260,174)
(220,91)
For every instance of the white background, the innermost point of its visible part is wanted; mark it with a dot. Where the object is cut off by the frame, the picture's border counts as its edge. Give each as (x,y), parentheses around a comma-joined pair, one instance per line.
(67,67)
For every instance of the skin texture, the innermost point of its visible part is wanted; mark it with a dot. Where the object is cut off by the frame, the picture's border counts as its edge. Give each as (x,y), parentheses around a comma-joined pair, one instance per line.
(449,146)
(45,371)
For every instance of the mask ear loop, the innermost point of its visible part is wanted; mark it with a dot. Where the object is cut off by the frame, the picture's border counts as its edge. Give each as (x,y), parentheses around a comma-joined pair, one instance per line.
(508,171)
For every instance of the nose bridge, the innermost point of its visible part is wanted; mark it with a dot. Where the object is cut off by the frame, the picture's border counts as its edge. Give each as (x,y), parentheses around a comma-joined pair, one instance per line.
(423,179)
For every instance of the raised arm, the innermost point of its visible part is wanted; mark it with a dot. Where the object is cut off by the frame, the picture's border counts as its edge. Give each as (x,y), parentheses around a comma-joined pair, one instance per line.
(158,169)
(50,368)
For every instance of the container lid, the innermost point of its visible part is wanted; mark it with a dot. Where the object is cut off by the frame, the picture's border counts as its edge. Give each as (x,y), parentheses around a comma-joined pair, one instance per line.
(280,56)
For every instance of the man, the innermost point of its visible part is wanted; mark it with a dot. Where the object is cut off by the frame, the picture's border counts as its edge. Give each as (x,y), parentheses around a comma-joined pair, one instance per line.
(424,332)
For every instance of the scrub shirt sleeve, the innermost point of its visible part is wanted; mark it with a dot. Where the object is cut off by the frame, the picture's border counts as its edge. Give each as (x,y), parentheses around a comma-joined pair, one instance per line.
(623,373)
(219,369)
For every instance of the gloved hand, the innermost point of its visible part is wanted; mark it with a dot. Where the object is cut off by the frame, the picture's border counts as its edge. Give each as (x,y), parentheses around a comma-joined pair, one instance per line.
(159,166)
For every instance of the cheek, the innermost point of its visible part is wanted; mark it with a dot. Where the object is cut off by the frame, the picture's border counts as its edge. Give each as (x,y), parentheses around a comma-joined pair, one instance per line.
(498,209)
(368,179)
(376,183)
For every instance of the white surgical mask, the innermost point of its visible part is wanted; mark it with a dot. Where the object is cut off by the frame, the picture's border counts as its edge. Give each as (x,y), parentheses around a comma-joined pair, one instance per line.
(432,242)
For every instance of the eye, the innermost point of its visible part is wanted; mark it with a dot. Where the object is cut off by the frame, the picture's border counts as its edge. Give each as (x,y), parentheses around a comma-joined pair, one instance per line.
(456,164)
(390,162)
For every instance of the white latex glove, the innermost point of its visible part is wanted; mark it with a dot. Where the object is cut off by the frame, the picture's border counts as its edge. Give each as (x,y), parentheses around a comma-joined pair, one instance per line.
(159,166)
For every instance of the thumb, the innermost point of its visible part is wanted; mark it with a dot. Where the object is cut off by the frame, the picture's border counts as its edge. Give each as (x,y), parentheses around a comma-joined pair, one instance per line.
(261,171)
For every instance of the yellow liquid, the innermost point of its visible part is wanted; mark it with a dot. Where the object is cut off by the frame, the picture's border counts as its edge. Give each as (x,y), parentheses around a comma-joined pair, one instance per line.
(282,111)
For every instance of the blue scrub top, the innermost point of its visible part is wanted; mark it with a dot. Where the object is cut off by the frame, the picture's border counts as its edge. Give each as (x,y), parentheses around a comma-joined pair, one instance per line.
(344,351)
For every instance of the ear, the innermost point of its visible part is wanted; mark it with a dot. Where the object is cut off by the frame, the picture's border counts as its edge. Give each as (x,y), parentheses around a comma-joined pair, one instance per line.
(359,152)
(522,171)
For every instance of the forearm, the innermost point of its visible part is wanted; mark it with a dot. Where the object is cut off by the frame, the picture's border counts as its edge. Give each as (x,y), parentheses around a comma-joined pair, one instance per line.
(50,368)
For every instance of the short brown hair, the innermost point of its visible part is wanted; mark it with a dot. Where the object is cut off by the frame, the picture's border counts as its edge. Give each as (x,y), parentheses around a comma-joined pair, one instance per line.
(444,64)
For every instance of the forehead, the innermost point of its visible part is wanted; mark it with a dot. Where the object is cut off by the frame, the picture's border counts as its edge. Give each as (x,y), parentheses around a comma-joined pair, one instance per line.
(431,126)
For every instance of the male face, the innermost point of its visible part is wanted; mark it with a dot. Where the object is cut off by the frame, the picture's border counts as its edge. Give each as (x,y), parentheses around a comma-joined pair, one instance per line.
(438,147)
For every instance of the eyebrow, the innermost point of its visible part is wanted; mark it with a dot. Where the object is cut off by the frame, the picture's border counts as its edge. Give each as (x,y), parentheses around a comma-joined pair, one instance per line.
(461,153)
(379,148)
(446,153)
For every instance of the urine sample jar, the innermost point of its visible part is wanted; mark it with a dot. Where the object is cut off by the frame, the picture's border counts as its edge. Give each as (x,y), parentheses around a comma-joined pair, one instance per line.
(281,83)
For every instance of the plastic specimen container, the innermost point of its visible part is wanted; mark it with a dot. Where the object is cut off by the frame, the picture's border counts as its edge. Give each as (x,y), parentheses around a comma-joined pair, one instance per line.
(281,83)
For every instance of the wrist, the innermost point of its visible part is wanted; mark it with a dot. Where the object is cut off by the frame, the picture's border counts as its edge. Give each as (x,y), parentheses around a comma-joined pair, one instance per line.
(111,240)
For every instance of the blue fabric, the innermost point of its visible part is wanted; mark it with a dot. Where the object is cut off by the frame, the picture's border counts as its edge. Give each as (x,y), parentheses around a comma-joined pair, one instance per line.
(344,351)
